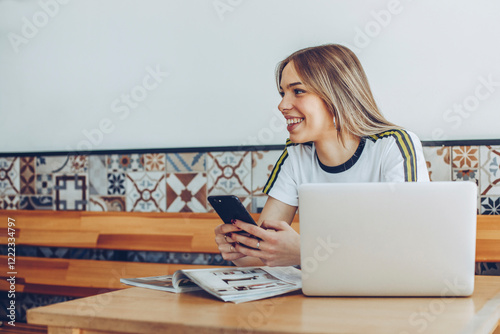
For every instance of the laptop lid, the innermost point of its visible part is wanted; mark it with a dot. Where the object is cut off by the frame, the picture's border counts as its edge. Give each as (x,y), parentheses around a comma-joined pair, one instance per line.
(388,239)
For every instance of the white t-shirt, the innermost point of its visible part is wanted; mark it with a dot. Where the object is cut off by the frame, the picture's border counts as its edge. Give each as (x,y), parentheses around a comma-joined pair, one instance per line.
(390,156)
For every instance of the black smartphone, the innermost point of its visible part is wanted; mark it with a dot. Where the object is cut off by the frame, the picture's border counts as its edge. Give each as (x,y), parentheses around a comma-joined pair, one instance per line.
(229,207)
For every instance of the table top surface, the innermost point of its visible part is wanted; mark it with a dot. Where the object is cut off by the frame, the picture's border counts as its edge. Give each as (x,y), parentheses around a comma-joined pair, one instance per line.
(142,310)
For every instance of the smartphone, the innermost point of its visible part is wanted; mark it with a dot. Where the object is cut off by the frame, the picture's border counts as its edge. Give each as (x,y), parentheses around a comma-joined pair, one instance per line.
(229,207)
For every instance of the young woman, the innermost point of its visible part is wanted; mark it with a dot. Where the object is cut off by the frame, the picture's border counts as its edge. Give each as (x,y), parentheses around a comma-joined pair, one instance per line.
(337,134)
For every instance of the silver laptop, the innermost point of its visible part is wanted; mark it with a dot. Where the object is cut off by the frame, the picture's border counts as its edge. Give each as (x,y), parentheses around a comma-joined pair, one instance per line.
(388,239)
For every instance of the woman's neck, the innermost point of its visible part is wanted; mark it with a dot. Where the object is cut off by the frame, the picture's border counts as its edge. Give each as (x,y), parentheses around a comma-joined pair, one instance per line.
(331,152)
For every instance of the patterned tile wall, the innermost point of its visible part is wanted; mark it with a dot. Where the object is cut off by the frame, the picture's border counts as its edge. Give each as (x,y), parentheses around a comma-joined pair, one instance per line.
(181,182)
(156,182)
(479,164)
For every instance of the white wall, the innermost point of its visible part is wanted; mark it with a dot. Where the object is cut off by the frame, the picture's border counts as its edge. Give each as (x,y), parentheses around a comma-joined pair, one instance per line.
(66,68)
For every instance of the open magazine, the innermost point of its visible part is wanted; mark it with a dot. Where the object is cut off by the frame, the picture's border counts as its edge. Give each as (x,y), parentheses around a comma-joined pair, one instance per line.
(238,284)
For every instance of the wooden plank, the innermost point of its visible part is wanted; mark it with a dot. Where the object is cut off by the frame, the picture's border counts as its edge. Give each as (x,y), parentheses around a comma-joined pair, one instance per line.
(152,242)
(43,217)
(176,232)
(488,238)
(22,328)
(57,238)
(169,232)
(59,276)
(127,231)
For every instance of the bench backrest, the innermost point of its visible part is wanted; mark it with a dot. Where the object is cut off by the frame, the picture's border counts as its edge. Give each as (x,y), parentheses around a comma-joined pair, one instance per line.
(129,231)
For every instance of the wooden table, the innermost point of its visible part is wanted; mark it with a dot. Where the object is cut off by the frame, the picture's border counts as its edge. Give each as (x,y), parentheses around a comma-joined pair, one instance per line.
(137,310)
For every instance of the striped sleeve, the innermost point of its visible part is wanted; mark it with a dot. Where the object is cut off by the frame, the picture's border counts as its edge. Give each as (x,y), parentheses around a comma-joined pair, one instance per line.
(407,150)
(276,169)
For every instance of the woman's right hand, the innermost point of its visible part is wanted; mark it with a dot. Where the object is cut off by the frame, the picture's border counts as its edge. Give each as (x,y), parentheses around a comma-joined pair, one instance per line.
(225,243)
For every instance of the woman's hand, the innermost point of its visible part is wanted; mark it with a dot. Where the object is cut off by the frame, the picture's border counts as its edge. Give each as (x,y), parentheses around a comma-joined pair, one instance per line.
(226,243)
(279,244)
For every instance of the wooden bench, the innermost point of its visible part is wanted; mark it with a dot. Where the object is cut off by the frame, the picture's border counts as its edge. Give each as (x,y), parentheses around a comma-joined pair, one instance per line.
(130,231)
(488,238)
(160,232)
(122,231)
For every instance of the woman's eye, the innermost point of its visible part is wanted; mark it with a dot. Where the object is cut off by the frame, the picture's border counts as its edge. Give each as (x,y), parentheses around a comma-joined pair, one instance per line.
(282,94)
(299,91)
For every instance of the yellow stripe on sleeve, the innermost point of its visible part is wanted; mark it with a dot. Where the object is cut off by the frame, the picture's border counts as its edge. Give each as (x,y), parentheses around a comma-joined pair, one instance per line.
(405,145)
(275,172)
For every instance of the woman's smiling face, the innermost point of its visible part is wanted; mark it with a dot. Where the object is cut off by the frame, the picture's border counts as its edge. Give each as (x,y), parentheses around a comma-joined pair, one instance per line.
(307,116)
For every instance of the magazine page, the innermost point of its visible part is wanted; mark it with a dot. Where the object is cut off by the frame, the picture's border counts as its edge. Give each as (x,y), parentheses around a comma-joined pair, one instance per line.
(287,274)
(241,284)
(163,283)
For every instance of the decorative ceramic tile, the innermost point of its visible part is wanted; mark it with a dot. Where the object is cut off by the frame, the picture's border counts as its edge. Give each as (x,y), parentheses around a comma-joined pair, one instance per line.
(438,162)
(107,203)
(178,258)
(125,163)
(146,191)
(98,176)
(490,206)
(36,203)
(53,252)
(488,268)
(154,162)
(247,202)
(44,184)
(78,164)
(258,202)
(466,175)
(186,162)
(465,157)
(9,176)
(116,184)
(490,170)
(187,192)
(143,256)
(229,173)
(68,164)
(116,203)
(71,192)
(97,204)
(93,254)
(196,259)
(26,250)
(27,175)
(262,166)
(9,202)
(48,165)
(216,260)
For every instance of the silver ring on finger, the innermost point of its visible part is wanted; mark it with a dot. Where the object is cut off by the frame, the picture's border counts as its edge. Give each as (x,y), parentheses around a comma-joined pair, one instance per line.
(225,237)
(258,245)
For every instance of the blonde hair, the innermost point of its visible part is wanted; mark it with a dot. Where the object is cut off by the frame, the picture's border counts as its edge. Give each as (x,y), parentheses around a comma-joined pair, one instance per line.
(334,73)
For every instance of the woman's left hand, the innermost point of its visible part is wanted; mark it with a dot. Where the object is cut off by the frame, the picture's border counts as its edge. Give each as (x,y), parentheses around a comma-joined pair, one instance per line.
(279,244)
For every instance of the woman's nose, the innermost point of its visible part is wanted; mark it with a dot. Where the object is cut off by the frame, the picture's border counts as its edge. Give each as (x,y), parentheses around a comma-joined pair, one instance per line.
(285,104)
